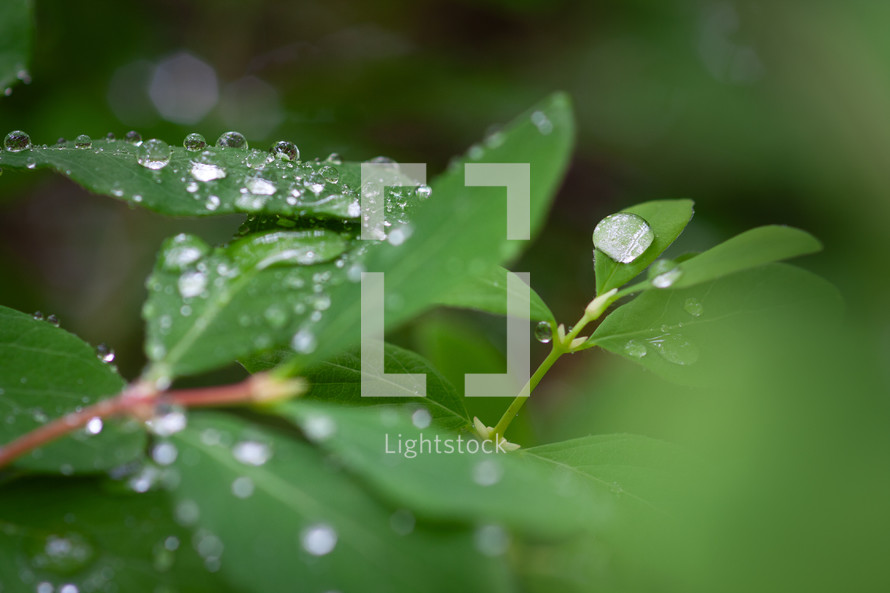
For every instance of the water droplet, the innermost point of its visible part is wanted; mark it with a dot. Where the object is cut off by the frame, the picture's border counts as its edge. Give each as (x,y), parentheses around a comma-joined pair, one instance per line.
(423,191)
(94,426)
(491,540)
(252,452)
(105,353)
(164,453)
(192,283)
(635,349)
(153,154)
(319,539)
(38,316)
(53,320)
(187,512)
(421,418)
(69,588)
(209,547)
(276,316)
(110,137)
(143,481)
(206,170)
(330,174)
(44,587)
(399,235)
(304,341)
(167,421)
(256,159)
(542,122)
(242,487)
(334,159)
(663,273)
(402,521)
(623,236)
(258,186)
(30,163)
(62,554)
(182,251)
(675,349)
(17,141)
(194,141)
(487,472)
(133,137)
(285,150)
(318,427)
(543,332)
(83,141)
(694,307)
(232,140)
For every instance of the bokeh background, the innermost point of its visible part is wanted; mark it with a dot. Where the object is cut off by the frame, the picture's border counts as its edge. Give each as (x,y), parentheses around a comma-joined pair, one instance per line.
(763,112)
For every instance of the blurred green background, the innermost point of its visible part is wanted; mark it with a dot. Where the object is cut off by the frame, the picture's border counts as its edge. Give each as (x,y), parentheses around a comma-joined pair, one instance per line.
(762,112)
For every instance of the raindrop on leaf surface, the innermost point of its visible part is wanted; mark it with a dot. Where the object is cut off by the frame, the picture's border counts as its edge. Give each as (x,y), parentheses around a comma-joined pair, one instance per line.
(623,236)
(133,137)
(194,141)
(83,141)
(543,332)
(232,140)
(286,150)
(694,307)
(17,141)
(663,273)
(153,154)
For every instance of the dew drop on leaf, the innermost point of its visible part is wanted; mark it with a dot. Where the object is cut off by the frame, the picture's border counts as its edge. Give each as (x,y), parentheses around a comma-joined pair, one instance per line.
(94,426)
(304,341)
(635,349)
(330,174)
(543,332)
(62,553)
(423,191)
(242,487)
(164,453)
(133,137)
(319,539)
(191,283)
(491,540)
(232,140)
(83,141)
(675,349)
(318,427)
(17,141)
(663,273)
(153,154)
(187,512)
(252,452)
(623,236)
(53,320)
(285,150)
(421,418)
(194,142)
(694,307)
(182,251)
(542,122)
(167,421)
(487,472)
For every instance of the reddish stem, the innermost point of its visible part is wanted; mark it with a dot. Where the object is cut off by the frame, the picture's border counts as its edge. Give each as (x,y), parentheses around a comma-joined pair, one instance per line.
(140,400)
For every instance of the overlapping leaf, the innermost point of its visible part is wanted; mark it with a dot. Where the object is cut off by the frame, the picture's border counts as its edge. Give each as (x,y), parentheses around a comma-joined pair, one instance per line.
(285,515)
(46,372)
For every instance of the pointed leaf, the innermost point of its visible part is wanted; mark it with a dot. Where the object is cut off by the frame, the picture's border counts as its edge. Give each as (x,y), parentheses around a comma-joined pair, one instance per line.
(488,292)
(667,219)
(298,518)
(46,372)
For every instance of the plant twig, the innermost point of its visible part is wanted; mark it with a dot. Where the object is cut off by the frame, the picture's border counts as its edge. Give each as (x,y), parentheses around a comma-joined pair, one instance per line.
(140,400)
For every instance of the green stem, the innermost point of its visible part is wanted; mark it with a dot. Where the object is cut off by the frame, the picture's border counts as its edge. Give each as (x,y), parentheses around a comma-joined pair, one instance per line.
(561,345)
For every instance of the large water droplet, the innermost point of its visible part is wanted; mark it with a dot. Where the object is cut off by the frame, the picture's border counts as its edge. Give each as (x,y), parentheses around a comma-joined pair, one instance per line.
(623,236)
(232,140)
(694,307)
(105,353)
(133,137)
(252,452)
(153,154)
(204,169)
(285,150)
(17,141)
(194,142)
(83,141)
(423,191)
(330,174)
(319,539)
(675,349)
(191,283)
(543,332)
(182,251)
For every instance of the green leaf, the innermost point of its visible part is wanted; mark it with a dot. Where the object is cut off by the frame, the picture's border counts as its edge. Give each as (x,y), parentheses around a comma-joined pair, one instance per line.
(459,229)
(488,292)
(451,484)
(16,29)
(339,380)
(205,183)
(208,307)
(637,468)
(682,334)
(667,219)
(298,518)
(85,534)
(46,373)
(750,249)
